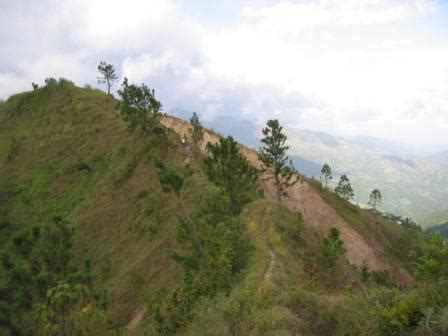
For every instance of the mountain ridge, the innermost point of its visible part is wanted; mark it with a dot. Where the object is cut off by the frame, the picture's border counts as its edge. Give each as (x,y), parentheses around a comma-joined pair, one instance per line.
(412,185)
(66,155)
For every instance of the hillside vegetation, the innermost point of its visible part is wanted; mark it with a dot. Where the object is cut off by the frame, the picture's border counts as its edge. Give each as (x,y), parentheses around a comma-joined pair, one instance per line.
(109,232)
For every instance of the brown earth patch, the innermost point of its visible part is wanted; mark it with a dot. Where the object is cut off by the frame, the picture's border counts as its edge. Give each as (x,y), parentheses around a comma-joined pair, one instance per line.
(317,213)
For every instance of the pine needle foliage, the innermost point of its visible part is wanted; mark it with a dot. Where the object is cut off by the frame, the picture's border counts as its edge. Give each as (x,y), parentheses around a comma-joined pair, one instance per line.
(325,175)
(232,172)
(344,188)
(275,161)
(108,75)
(196,130)
(139,107)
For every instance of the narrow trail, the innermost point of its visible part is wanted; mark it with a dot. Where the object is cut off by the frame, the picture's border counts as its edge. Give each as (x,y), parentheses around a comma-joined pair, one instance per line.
(136,319)
(268,273)
(316,212)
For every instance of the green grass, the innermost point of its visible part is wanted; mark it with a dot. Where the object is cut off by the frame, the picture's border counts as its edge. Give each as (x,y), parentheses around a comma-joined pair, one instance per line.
(394,239)
(62,126)
(73,157)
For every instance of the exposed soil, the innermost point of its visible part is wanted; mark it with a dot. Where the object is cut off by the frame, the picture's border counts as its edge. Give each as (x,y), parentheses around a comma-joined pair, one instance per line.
(317,213)
(136,318)
(270,268)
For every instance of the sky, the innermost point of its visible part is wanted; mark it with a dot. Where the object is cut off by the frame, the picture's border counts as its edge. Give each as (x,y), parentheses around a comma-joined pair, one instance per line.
(345,67)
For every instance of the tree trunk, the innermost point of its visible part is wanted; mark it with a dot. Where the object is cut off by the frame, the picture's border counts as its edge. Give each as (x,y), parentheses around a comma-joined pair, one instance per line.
(279,188)
(196,238)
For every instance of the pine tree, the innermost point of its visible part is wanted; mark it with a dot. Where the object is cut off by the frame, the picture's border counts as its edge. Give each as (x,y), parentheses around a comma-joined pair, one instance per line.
(274,160)
(344,189)
(139,107)
(108,75)
(333,246)
(325,175)
(231,171)
(36,259)
(196,130)
(375,198)
(188,228)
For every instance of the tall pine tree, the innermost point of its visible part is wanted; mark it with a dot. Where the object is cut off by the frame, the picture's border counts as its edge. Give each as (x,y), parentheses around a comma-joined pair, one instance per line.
(274,160)
(196,130)
(231,171)
(325,175)
(375,198)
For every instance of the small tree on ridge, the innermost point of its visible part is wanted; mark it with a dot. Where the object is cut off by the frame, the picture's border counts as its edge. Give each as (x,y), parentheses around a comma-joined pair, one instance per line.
(274,159)
(196,130)
(325,175)
(375,198)
(139,107)
(344,188)
(108,75)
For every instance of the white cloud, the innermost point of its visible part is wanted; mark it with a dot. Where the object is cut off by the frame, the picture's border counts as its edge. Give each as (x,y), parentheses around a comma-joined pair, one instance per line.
(360,76)
(293,16)
(344,66)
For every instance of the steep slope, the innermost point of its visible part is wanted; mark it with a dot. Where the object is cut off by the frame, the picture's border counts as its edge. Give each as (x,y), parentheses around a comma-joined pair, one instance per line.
(412,182)
(318,214)
(411,185)
(66,153)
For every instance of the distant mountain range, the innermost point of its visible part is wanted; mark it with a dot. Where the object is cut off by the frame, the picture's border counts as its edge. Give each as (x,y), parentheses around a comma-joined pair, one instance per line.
(413,181)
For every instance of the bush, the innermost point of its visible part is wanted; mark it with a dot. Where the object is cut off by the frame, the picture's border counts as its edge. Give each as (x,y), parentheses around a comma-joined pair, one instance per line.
(332,246)
(402,317)
(381,277)
(365,272)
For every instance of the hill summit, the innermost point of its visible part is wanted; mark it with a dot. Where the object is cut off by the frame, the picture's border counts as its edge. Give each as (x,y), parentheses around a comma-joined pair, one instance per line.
(107,231)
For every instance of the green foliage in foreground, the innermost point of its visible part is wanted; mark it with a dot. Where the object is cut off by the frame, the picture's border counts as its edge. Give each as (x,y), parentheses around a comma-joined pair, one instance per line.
(40,292)
(213,247)
(259,271)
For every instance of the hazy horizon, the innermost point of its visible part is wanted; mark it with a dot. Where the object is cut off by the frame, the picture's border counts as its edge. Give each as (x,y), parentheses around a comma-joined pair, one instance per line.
(345,67)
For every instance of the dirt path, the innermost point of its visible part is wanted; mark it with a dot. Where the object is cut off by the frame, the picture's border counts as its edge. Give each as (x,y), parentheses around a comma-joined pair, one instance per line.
(317,213)
(136,319)
(268,273)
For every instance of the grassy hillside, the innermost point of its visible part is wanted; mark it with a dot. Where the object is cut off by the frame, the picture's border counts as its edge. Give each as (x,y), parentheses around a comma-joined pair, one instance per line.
(412,184)
(66,156)
(75,159)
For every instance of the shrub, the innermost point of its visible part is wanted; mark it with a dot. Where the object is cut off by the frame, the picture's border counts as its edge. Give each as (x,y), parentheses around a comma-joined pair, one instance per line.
(332,246)
(403,316)
(381,277)
(365,272)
